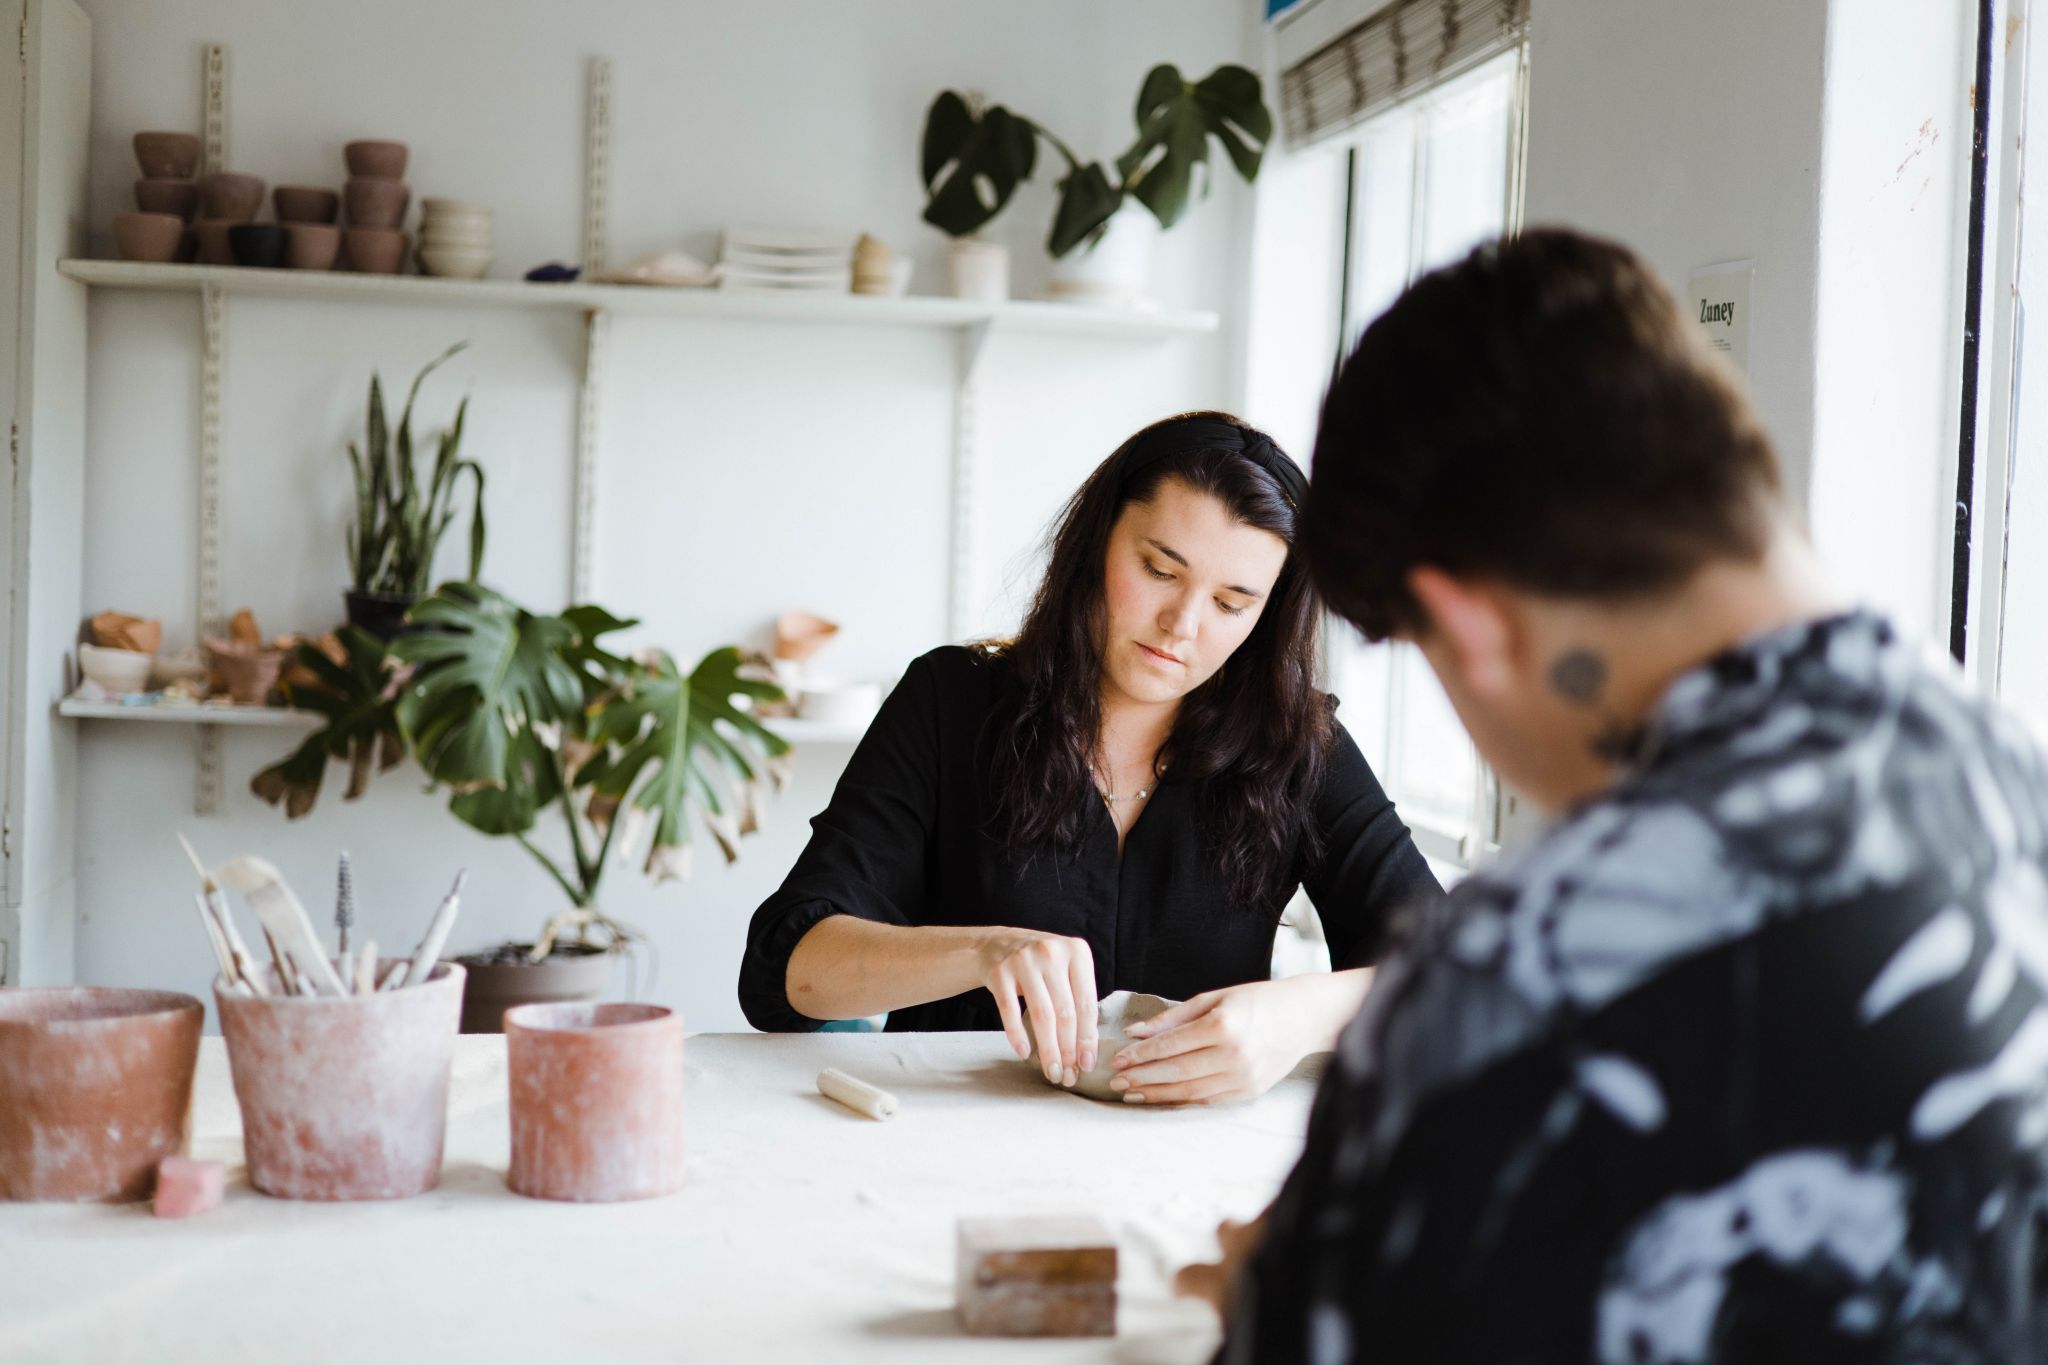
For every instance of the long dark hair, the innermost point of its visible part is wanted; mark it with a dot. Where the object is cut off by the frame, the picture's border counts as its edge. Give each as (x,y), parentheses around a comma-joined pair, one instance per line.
(1256,735)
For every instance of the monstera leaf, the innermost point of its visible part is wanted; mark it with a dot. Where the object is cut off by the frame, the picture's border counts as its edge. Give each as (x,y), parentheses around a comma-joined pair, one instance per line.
(359,697)
(1175,122)
(972,165)
(486,670)
(1087,202)
(660,746)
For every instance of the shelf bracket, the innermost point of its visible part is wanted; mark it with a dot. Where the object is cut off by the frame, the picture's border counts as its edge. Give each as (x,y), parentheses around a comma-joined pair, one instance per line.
(213,114)
(213,327)
(597,326)
(963,592)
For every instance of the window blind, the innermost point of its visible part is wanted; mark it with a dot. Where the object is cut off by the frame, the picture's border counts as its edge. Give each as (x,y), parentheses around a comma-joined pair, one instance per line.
(1402,50)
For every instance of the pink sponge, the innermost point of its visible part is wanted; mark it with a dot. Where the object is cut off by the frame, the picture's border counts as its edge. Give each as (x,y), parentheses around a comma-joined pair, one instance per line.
(185,1187)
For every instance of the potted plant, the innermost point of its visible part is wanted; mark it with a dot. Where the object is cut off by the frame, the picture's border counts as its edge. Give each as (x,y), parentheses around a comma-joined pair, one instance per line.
(400,513)
(973,161)
(1100,240)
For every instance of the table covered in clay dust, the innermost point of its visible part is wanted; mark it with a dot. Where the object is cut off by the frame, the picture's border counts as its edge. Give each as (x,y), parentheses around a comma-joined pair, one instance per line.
(805,1232)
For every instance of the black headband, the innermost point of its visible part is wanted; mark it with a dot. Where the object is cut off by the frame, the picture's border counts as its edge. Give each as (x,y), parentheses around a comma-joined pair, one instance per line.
(1189,435)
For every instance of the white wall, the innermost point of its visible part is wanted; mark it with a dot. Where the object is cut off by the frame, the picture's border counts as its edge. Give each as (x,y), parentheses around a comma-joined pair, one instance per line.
(745,469)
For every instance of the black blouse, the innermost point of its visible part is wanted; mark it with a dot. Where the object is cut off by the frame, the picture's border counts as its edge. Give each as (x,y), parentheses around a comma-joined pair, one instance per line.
(907,840)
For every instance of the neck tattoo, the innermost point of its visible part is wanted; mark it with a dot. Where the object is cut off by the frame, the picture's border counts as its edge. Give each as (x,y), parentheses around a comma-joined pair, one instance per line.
(1580,677)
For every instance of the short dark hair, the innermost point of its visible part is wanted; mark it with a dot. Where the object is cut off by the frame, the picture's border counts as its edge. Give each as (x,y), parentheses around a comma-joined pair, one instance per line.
(1540,413)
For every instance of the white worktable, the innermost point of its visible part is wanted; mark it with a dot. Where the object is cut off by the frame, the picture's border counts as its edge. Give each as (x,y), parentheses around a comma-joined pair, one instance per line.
(805,1232)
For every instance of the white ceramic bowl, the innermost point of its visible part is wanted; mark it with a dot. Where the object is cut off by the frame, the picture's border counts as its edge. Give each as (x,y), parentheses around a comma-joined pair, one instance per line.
(458,240)
(120,671)
(453,264)
(456,227)
(434,203)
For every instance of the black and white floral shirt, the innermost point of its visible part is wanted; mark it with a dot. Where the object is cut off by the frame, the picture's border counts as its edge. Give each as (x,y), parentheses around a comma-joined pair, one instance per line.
(1746,1061)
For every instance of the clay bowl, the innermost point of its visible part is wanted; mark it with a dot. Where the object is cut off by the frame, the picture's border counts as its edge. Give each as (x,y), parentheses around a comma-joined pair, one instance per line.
(597,1101)
(167,155)
(211,234)
(454,263)
(312,246)
(120,671)
(231,196)
(375,251)
(376,203)
(249,671)
(257,244)
(305,204)
(375,160)
(95,1089)
(180,197)
(344,1097)
(148,236)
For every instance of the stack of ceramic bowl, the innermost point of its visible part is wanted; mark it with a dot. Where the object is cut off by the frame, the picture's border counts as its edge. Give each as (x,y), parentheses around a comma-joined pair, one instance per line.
(377,197)
(167,196)
(786,259)
(227,206)
(307,213)
(455,238)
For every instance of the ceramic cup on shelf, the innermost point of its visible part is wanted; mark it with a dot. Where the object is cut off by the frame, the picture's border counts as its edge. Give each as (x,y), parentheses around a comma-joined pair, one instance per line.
(375,159)
(230,196)
(305,204)
(258,245)
(170,156)
(211,234)
(164,195)
(149,236)
(375,251)
(312,246)
(376,203)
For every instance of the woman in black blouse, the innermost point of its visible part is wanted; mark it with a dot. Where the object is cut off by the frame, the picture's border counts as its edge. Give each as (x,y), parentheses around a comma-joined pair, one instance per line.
(1122,798)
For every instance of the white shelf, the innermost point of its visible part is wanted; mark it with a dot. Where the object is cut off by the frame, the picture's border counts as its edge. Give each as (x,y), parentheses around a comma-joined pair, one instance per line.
(796,731)
(1063,319)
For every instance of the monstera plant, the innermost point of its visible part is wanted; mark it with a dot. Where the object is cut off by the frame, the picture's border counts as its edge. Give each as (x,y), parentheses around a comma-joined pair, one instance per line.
(973,161)
(523,715)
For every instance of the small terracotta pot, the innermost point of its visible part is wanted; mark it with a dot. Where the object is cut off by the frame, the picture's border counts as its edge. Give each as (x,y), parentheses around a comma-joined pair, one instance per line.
(211,236)
(312,246)
(376,203)
(305,204)
(375,159)
(230,196)
(167,155)
(148,236)
(344,1097)
(180,197)
(95,1089)
(597,1101)
(376,251)
(249,673)
(260,245)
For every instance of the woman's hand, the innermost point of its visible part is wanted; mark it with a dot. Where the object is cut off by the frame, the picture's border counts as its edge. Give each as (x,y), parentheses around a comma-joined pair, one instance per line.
(1235,1043)
(1054,978)
(1211,1282)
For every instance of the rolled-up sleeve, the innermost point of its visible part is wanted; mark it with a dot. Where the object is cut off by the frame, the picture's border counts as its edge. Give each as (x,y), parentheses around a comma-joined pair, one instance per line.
(1368,870)
(868,855)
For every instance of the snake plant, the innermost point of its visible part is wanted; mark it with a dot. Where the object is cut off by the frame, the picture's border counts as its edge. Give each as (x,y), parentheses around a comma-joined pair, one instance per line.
(400,513)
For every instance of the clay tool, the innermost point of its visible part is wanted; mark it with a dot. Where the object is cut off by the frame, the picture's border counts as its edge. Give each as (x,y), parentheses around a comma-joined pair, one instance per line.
(856,1094)
(344,902)
(394,977)
(283,918)
(238,951)
(366,969)
(437,933)
(213,938)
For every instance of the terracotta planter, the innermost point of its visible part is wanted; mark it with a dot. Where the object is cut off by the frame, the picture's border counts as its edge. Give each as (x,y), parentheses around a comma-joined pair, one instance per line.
(375,251)
(597,1101)
(375,159)
(312,246)
(180,197)
(148,236)
(376,203)
(212,236)
(167,155)
(570,973)
(250,672)
(231,197)
(344,1097)
(95,1089)
(305,204)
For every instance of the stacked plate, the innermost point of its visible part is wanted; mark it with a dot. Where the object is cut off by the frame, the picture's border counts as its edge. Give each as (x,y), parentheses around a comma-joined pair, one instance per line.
(784,259)
(455,238)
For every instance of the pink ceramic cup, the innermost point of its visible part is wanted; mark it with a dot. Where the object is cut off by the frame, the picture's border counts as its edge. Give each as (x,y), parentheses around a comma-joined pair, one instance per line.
(597,1101)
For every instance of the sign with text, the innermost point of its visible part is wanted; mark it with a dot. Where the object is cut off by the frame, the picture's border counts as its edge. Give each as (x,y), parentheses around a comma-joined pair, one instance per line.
(1717,298)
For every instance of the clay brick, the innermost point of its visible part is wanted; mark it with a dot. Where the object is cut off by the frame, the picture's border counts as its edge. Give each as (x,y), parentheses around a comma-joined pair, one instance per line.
(185,1187)
(1037,1277)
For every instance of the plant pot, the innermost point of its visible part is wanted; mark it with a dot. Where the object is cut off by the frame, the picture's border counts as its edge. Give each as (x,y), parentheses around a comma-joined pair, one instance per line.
(259,245)
(180,198)
(1115,271)
(95,1089)
(597,1101)
(376,203)
(375,159)
(167,156)
(148,236)
(380,613)
(249,672)
(572,972)
(980,270)
(305,204)
(120,671)
(375,251)
(232,197)
(212,237)
(344,1097)
(312,246)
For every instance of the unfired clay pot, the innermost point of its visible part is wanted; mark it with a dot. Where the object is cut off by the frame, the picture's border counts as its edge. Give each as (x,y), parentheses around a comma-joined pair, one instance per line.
(212,237)
(344,1097)
(597,1101)
(375,251)
(248,671)
(148,236)
(376,203)
(312,246)
(376,159)
(167,155)
(180,197)
(95,1089)
(230,196)
(305,204)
